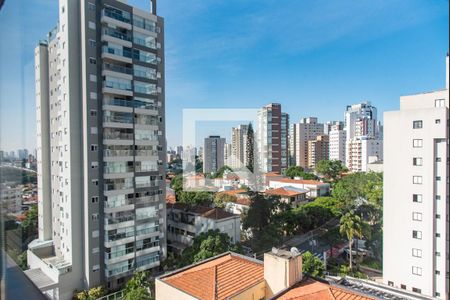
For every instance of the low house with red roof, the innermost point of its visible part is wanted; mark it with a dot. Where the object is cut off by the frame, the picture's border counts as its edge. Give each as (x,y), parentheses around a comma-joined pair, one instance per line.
(315,188)
(184,222)
(289,195)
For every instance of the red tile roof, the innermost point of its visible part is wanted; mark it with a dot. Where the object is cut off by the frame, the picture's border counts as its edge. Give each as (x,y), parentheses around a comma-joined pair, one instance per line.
(298,181)
(234,192)
(283,192)
(218,278)
(314,290)
(170,198)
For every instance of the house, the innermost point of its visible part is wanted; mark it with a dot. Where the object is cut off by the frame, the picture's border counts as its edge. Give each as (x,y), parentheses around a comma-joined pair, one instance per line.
(184,222)
(315,188)
(289,195)
(233,276)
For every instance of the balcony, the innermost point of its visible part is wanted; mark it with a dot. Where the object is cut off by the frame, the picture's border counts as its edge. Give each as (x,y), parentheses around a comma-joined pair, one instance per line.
(119,54)
(117,68)
(116,14)
(117,35)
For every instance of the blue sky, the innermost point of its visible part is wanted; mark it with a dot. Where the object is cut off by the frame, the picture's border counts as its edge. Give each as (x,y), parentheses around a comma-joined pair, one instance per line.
(313,57)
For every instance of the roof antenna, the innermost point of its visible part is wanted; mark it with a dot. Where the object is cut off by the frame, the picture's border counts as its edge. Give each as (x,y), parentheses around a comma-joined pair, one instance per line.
(153,6)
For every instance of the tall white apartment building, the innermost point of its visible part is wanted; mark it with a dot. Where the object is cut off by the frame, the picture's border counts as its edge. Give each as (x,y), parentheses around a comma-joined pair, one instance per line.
(238,146)
(363,136)
(300,133)
(338,138)
(272,139)
(416,194)
(101,147)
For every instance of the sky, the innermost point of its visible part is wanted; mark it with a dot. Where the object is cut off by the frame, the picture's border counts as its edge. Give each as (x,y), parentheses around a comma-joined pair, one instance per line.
(313,57)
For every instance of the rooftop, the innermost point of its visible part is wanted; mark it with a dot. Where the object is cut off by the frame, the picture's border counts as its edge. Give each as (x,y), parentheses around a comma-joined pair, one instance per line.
(217,278)
(298,181)
(287,191)
(204,211)
(314,290)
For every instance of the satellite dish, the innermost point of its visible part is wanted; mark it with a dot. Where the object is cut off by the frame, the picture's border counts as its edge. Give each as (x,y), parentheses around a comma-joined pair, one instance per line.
(295,251)
(274,250)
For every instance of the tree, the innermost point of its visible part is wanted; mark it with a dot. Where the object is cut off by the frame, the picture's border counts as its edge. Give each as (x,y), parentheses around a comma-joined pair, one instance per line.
(294,171)
(259,213)
(92,294)
(194,198)
(138,287)
(312,265)
(206,245)
(30,224)
(331,169)
(221,198)
(219,173)
(351,226)
(250,150)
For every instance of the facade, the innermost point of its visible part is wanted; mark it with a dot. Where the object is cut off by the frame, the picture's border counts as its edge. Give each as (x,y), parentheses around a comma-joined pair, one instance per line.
(318,150)
(337,136)
(101,147)
(289,195)
(416,216)
(227,156)
(329,125)
(314,188)
(272,139)
(238,146)
(213,154)
(184,223)
(363,136)
(11,198)
(306,130)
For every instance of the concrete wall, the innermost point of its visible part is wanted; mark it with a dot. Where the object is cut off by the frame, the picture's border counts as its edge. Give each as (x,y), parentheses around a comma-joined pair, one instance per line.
(165,291)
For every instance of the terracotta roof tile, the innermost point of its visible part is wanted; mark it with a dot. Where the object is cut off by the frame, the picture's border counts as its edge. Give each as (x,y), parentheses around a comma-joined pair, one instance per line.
(204,211)
(284,192)
(234,192)
(219,278)
(315,290)
(298,181)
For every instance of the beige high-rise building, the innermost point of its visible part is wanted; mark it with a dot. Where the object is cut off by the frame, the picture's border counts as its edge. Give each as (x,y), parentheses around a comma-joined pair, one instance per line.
(238,146)
(100,147)
(318,150)
(300,133)
(213,154)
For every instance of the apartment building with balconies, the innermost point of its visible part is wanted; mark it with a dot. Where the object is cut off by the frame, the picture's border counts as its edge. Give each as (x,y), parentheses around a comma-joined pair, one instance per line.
(101,147)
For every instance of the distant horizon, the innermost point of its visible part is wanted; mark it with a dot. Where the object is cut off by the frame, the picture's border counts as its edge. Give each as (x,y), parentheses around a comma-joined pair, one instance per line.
(312,57)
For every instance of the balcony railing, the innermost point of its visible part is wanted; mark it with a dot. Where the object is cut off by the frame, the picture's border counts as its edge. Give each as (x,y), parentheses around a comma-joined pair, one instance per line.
(117,85)
(119,52)
(117,34)
(118,119)
(111,153)
(117,14)
(117,136)
(117,68)
(117,186)
(130,103)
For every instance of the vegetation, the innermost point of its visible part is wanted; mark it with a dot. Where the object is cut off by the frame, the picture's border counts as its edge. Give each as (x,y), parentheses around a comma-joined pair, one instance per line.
(206,245)
(351,226)
(312,265)
(91,294)
(194,198)
(331,169)
(219,173)
(138,287)
(250,147)
(221,198)
(30,224)
(296,171)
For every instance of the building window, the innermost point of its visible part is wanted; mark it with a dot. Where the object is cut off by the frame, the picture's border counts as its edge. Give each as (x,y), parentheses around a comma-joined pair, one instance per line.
(437,272)
(416,252)
(92,25)
(95,268)
(92,43)
(93,77)
(95,181)
(417,216)
(93,113)
(417,198)
(437,254)
(417,179)
(94,199)
(92,61)
(417,161)
(416,290)
(438,197)
(390,283)
(438,235)
(94,130)
(95,250)
(95,234)
(416,234)
(436,294)
(437,121)
(438,178)
(94,217)
(439,103)
(402,286)
(417,124)
(93,96)
(438,216)
(417,271)
(438,159)
(417,143)
(94,147)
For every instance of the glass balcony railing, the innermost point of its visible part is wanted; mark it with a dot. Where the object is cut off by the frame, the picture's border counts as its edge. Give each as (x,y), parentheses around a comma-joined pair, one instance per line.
(146,43)
(119,34)
(117,85)
(117,136)
(118,119)
(130,103)
(117,14)
(117,68)
(117,51)
(112,153)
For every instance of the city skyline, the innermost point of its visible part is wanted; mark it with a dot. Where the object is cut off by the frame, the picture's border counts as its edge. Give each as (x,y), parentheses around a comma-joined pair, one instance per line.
(392,59)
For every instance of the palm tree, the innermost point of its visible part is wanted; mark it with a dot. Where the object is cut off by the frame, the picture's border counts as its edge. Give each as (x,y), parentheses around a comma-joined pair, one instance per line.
(351,226)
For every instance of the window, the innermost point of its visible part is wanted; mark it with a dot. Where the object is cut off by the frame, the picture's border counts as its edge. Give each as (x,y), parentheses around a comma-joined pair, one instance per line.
(439,103)
(417,271)
(438,159)
(417,143)
(93,113)
(95,268)
(94,199)
(417,216)
(417,198)
(402,286)
(92,43)
(438,235)
(437,272)
(390,283)
(94,147)
(95,234)
(416,252)
(94,130)
(92,25)
(95,181)
(417,234)
(437,121)
(94,217)
(417,179)
(417,124)
(438,197)
(92,61)
(93,78)
(93,96)
(95,250)
(417,161)
(436,294)
(438,178)
(438,216)
(416,290)
(437,254)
